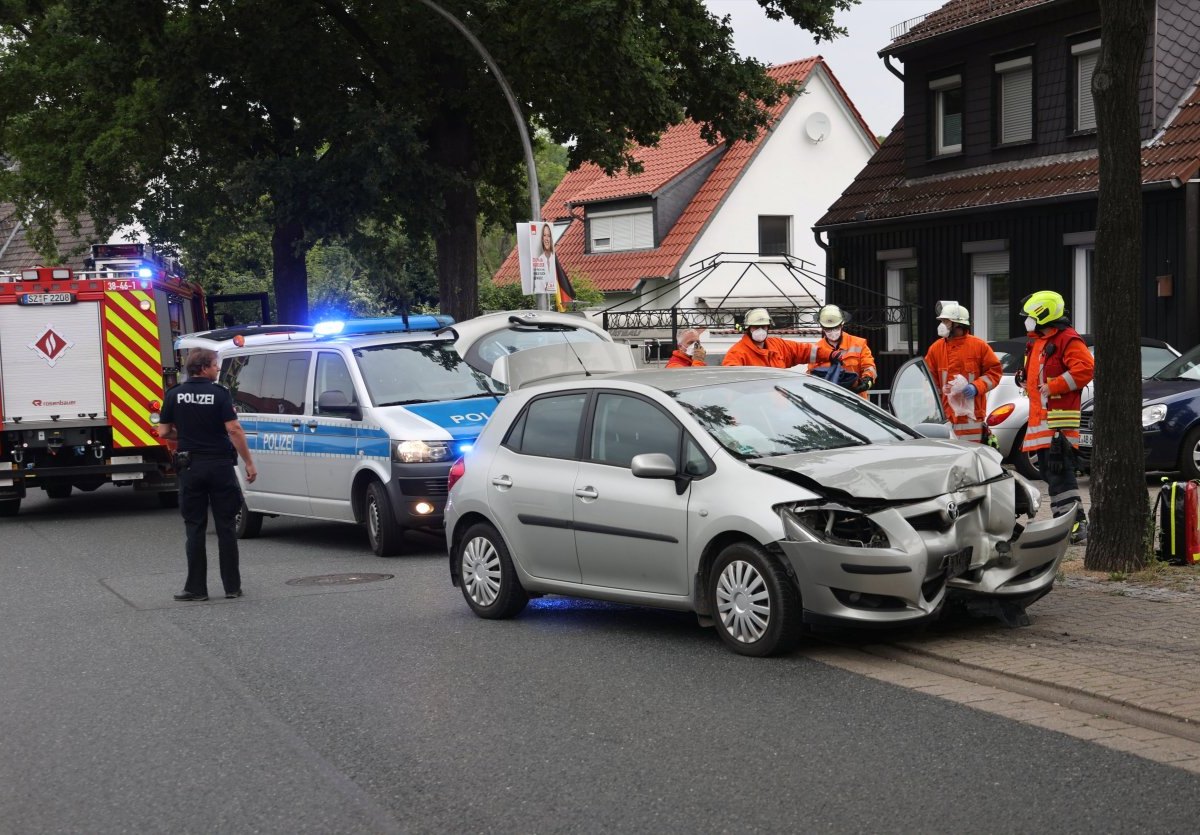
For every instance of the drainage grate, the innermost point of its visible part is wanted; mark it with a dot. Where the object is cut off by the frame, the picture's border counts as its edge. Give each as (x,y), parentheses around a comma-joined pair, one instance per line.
(338,579)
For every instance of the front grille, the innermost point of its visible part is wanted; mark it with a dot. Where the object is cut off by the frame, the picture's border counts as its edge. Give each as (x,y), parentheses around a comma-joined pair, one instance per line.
(1085,421)
(424,487)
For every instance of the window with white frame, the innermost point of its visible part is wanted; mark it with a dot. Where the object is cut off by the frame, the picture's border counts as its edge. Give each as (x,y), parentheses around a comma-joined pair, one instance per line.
(1085,56)
(992,311)
(774,234)
(1084,274)
(619,231)
(947,114)
(902,290)
(1015,100)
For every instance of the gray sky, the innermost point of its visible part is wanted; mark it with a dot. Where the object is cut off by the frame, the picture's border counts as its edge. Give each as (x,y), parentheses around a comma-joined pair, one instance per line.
(875,91)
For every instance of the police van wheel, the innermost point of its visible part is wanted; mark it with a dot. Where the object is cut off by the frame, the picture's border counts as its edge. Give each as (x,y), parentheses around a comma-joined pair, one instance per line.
(386,536)
(247,524)
(10,507)
(168,498)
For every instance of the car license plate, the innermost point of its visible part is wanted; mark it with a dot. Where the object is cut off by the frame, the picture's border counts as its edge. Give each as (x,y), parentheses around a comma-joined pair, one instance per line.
(47,298)
(957,563)
(1085,439)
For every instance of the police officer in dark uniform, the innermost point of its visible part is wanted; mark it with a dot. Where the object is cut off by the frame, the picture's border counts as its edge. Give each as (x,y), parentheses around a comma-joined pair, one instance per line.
(199,414)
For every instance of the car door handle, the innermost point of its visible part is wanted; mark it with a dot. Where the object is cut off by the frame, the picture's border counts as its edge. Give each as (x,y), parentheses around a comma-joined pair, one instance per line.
(587,493)
(502,481)
(312,426)
(296,425)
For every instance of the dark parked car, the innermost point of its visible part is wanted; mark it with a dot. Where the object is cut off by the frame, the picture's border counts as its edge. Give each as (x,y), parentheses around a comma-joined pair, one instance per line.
(1170,418)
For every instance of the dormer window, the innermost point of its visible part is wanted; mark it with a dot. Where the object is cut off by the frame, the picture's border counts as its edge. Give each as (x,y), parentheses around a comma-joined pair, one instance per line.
(1085,56)
(620,230)
(947,114)
(1014,116)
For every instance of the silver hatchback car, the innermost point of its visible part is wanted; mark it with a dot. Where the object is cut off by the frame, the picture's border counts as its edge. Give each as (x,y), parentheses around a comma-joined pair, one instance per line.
(760,499)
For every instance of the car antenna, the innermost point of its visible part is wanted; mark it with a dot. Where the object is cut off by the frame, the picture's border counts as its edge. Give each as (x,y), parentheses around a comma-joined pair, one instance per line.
(586,373)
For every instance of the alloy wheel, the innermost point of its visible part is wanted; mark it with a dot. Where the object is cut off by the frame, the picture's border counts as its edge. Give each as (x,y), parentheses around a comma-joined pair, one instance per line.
(481,570)
(743,602)
(373,519)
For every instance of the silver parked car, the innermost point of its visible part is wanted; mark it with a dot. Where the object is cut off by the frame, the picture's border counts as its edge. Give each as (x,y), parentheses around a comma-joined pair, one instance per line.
(760,499)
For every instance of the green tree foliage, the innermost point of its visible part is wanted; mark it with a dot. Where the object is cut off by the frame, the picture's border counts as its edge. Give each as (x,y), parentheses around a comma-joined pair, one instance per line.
(493,296)
(320,114)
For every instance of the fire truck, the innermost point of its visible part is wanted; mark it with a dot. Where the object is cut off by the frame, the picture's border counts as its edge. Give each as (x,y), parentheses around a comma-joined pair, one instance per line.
(85,358)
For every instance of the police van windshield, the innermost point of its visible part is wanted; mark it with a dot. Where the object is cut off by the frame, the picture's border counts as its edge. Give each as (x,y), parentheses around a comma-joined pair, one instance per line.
(401,373)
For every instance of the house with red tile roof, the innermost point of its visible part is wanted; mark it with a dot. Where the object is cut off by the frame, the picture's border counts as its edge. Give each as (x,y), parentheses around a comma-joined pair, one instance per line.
(635,235)
(986,190)
(17,252)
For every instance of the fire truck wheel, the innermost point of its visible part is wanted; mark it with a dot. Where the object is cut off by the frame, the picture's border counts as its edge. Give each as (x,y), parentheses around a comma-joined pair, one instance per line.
(168,498)
(385,535)
(247,524)
(58,491)
(10,507)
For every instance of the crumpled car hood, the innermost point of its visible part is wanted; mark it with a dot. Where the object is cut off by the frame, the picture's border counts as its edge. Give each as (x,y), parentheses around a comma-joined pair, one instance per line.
(903,471)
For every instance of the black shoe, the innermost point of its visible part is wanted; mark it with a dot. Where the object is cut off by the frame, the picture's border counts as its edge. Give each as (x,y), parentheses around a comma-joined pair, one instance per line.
(190,595)
(229,595)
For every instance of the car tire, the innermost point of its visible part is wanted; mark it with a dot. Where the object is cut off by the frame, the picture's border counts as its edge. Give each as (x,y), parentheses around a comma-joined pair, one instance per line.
(58,491)
(486,574)
(10,507)
(385,535)
(1189,455)
(168,498)
(247,524)
(1024,462)
(745,574)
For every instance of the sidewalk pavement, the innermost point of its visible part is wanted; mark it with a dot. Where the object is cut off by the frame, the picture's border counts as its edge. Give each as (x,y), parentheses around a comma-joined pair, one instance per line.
(1120,642)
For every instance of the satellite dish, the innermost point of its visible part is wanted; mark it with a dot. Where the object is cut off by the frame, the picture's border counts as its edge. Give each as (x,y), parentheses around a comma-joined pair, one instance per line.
(817,126)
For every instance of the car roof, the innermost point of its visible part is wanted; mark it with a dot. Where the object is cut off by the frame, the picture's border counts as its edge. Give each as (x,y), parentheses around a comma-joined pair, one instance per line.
(471,329)
(350,341)
(674,379)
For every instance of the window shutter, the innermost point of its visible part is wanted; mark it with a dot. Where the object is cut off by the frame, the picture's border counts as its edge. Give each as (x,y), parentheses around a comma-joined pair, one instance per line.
(989,263)
(1086,108)
(622,232)
(643,231)
(1016,105)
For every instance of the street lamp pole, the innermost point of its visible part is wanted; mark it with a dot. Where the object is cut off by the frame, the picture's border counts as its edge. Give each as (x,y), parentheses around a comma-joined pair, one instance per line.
(535,203)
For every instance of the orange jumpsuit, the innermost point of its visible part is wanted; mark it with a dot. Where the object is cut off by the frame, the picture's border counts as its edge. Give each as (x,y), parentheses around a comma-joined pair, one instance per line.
(681,360)
(974,359)
(856,356)
(774,353)
(1069,367)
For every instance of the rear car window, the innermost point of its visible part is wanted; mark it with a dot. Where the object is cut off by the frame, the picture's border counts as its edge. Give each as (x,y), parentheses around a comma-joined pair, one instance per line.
(549,426)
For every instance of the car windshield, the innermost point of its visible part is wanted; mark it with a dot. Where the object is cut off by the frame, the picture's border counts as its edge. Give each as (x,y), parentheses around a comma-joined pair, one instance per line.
(763,418)
(1186,367)
(501,343)
(401,373)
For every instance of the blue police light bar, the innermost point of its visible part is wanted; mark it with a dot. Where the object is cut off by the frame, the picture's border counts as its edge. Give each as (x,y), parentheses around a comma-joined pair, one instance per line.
(145,272)
(383,324)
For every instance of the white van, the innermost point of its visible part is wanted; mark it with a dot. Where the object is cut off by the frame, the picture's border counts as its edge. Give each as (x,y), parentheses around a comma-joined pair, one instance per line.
(355,421)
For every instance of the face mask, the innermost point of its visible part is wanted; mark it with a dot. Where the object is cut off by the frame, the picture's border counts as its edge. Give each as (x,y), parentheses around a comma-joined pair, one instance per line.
(758,334)
(943,329)
(1030,325)
(690,350)
(833,334)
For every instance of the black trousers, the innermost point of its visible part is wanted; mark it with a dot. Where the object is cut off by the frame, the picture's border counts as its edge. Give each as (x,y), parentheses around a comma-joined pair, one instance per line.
(1057,465)
(210,482)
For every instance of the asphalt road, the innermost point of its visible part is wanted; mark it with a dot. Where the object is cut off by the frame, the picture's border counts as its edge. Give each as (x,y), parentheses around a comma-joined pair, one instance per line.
(388,707)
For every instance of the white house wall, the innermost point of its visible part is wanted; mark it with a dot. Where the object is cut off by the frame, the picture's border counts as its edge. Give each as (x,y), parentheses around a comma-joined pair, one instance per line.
(790,175)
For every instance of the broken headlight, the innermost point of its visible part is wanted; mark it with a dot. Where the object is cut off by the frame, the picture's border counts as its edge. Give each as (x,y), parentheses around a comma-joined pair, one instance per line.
(836,524)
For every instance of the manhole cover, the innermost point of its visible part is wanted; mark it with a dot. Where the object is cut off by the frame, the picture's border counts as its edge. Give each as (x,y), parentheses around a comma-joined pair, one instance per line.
(338,579)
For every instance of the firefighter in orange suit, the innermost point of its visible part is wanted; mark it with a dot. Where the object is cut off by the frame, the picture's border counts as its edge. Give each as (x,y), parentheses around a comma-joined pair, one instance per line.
(756,347)
(690,353)
(848,350)
(958,351)
(1057,367)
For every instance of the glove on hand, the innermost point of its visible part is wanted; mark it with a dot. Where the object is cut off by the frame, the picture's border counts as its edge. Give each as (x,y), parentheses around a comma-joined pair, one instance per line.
(970,390)
(863,384)
(837,355)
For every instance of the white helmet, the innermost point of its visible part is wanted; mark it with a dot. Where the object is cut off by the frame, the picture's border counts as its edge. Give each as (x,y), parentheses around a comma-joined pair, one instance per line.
(956,313)
(831,316)
(757,316)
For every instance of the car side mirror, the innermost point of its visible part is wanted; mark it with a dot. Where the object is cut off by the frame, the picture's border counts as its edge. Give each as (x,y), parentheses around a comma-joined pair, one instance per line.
(934,430)
(653,465)
(335,402)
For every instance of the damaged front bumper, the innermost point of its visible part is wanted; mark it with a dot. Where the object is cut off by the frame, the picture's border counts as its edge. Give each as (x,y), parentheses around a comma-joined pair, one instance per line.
(898,565)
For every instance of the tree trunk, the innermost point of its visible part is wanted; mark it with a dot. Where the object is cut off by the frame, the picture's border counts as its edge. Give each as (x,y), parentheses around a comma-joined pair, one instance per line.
(456,238)
(1119,513)
(290,273)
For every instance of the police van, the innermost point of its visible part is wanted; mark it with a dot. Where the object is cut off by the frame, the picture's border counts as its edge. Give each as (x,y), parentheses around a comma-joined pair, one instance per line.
(356,421)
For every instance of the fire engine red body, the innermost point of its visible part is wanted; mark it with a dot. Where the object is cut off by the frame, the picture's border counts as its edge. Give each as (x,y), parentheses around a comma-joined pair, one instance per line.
(85,358)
